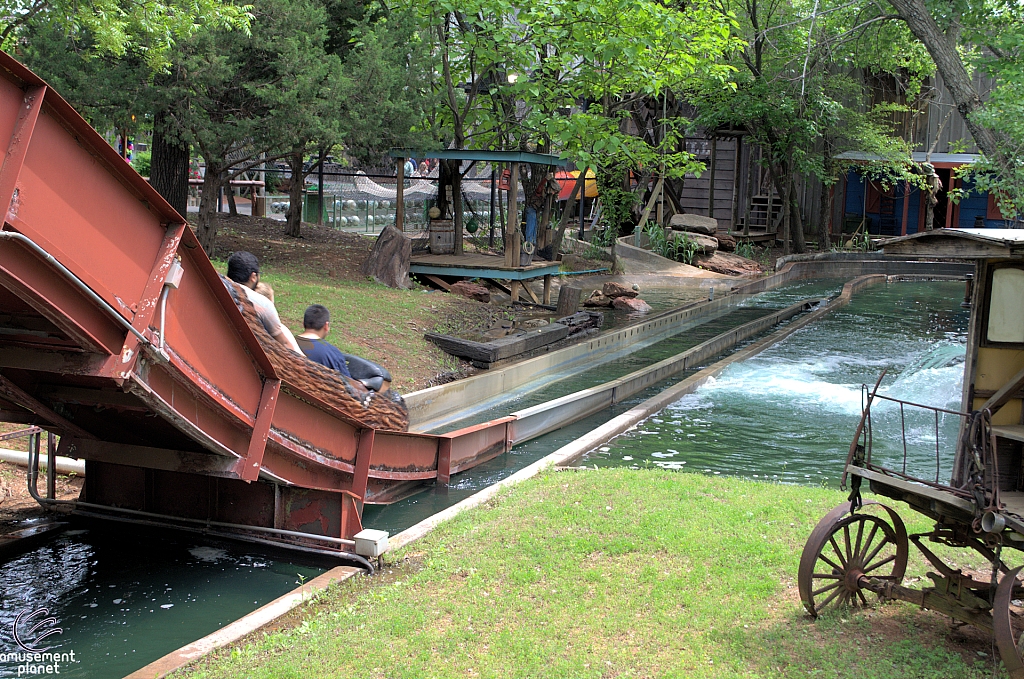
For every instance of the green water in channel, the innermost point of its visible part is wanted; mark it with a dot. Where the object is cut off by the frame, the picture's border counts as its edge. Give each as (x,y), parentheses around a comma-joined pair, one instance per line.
(789,414)
(125,596)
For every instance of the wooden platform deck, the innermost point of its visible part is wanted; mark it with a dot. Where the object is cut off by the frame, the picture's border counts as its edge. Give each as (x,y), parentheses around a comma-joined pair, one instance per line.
(490,267)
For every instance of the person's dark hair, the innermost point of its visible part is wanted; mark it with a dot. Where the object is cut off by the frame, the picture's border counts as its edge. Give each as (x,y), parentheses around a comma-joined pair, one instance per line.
(316,317)
(242,265)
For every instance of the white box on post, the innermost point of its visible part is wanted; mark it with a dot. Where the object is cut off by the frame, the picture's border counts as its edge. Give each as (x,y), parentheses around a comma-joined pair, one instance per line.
(371,543)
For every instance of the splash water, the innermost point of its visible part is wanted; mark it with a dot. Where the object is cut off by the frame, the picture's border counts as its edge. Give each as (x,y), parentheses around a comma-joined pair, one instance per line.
(789,414)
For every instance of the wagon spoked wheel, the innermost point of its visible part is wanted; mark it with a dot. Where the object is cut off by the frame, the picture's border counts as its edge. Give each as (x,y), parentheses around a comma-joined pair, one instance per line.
(1003,628)
(845,547)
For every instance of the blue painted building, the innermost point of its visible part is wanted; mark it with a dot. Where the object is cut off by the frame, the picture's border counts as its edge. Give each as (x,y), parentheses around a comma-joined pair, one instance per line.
(901,209)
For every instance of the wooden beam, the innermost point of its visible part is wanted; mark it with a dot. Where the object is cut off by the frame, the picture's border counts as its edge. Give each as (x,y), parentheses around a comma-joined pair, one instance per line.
(547,289)
(529,292)
(436,281)
(711,175)
(906,208)
(512,227)
(658,188)
(738,150)
(1005,393)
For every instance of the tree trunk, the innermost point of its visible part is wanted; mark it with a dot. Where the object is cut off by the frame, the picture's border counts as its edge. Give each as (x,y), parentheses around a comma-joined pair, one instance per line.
(169,166)
(457,205)
(563,223)
(230,193)
(825,216)
(795,218)
(444,180)
(206,228)
(293,219)
(955,76)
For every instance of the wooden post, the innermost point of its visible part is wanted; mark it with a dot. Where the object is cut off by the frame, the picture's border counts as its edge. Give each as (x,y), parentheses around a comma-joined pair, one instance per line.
(457,205)
(547,289)
(400,196)
(515,287)
(906,208)
(951,218)
(736,182)
(568,300)
(711,176)
(512,242)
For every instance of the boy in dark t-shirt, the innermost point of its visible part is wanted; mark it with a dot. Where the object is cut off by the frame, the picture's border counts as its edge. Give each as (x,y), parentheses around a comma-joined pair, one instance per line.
(317,323)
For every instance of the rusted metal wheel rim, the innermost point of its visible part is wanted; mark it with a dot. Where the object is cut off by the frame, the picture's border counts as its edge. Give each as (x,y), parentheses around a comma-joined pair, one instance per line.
(845,547)
(1002,626)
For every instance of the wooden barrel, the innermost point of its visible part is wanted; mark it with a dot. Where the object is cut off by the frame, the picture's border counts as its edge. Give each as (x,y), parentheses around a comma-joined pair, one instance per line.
(442,236)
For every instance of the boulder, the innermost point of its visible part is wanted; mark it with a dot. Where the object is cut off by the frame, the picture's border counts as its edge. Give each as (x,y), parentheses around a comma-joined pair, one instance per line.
(614,290)
(706,245)
(597,299)
(471,290)
(729,264)
(726,242)
(631,304)
(694,224)
(389,260)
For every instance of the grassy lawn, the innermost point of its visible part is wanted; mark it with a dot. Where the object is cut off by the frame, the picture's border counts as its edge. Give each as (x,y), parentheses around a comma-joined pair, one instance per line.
(615,573)
(367,319)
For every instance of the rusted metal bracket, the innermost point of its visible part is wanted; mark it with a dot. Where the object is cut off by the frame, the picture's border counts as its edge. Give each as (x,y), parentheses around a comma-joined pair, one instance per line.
(444,461)
(250,464)
(362,471)
(18,149)
(147,305)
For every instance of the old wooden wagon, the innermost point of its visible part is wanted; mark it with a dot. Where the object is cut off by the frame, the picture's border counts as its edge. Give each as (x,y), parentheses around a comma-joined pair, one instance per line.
(861,547)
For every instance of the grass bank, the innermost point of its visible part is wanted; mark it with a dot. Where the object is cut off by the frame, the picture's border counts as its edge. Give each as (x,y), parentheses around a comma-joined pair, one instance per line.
(616,573)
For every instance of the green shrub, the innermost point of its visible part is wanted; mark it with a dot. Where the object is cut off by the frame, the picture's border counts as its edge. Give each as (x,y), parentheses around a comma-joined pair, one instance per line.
(682,248)
(142,162)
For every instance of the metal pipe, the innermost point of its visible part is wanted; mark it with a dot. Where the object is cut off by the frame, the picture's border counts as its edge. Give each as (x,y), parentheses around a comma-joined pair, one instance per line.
(33,475)
(221,524)
(76,281)
(65,465)
(163,313)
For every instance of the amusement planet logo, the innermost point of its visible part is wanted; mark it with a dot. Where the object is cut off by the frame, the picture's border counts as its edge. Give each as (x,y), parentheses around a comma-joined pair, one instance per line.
(30,630)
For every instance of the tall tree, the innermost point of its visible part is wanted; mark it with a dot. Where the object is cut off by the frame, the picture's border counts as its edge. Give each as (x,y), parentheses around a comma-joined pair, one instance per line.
(962,36)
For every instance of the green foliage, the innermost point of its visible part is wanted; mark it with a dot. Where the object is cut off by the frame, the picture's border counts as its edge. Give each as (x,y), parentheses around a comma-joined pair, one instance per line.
(749,250)
(141,162)
(145,29)
(680,247)
(617,202)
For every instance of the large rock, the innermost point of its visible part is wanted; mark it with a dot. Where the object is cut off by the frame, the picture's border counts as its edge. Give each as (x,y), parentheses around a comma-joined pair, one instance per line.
(729,264)
(694,224)
(597,299)
(471,290)
(614,290)
(706,245)
(631,304)
(389,260)
(726,242)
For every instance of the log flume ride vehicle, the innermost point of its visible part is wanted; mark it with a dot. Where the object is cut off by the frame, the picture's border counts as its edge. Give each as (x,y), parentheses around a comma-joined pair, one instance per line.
(861,547)
(118,336)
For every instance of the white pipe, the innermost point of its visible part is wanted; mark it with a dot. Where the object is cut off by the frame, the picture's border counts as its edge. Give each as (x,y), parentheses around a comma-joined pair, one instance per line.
(65,465)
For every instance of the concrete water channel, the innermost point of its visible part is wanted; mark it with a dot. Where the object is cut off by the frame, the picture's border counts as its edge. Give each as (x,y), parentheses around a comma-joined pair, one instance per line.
(125,596)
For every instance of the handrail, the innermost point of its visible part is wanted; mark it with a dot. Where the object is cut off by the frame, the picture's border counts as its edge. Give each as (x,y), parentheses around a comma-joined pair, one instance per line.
(76,281)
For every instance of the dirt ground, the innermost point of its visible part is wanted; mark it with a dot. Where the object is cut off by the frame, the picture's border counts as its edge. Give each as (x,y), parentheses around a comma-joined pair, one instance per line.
(320,249)
(16,504)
